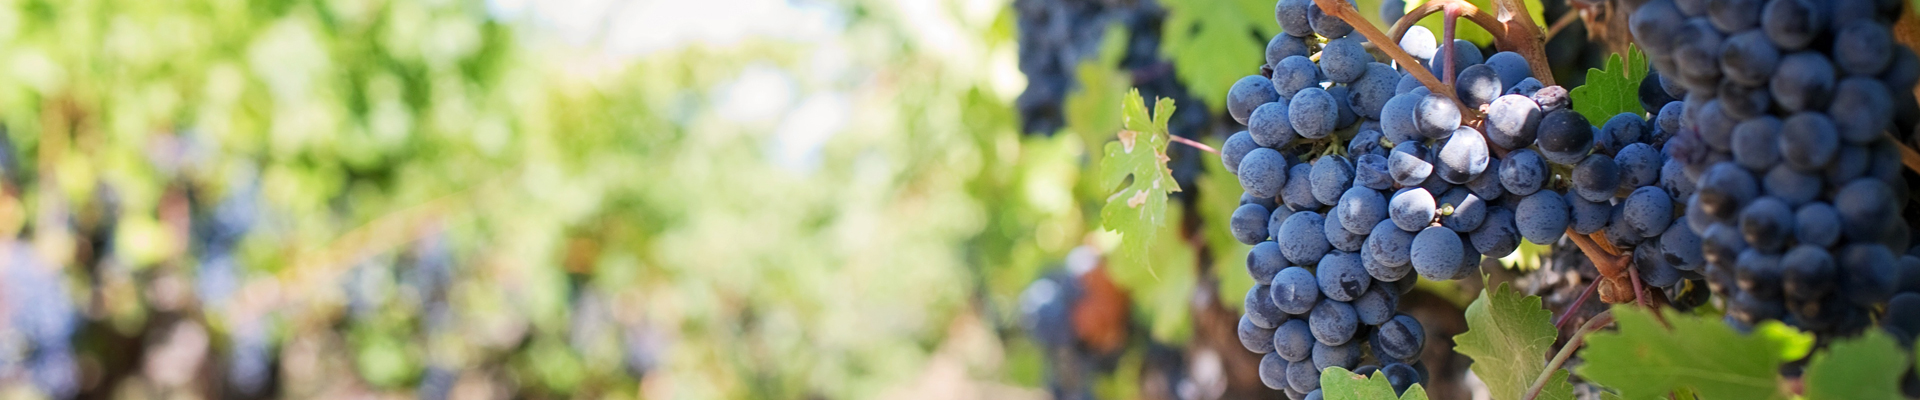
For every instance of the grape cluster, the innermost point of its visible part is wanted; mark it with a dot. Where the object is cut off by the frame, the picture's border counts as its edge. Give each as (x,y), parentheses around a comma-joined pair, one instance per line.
(1781,125)
(1359,181)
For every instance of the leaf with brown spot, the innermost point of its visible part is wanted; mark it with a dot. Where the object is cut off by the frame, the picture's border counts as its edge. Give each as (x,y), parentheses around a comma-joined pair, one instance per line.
(1143,206)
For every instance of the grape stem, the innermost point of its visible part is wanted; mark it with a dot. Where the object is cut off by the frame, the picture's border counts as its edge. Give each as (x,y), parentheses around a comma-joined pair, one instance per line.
(1907,156)
(1190,143)
(1560,358)
(1613,268)
(1561,25)
(1447,24)
(1345,11)
(1577,303)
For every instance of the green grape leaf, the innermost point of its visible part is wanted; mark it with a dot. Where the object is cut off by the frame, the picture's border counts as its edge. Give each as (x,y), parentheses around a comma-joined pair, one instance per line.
(1340,384)
(1867,367)
(1644,359)
(1612,91)
(1139,210)
(1508,337)
(1213,43)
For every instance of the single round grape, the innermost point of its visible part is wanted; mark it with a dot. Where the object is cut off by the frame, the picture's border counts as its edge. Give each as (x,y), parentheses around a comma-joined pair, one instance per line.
(1817,224)
(1792,24)
(1273,368)
(1313,113)
(1283,46)
(1862,49)
(1292,16)
(1388,245)
(1400,339)
(1803,81)
(1264,261)
(1343,60)
(1670,117)
(1298,192)
(1279,218)
(1497,236)
(1541,217)
(1305,238)
(1337,236)
(1653,269)
(1247,93)
(1748,57)
(1332,176)
(1596,178)
(1236,149)
(1810,273)
(1412,209)
(1673,178)
(1680,247)
(1868,274)
(1523,172)
(1623,129)
(1469,211)
(1807,141)
(1408,164)
(1303,377)
(1295,290)
(1401,377)
(1618,231)
(1341,277)
(1476,86)
(1420,43)
(1344,110)
(1370,171)
(1369,94)
(1756,143)
(1361,209)
(1333,322)
(1565,132)
(1256,339)
(1724,189)
(1396,118)
(1436,116)
(1512,121)
(1269,126)
(1867,211)
(1436,253)
(1262,172)
(1640,165)
(1327,25)
(1376,305)
(1759,273)
(1294,74)
(1293,340)
(1767,224)
(1464,156)
(1511,67)
(1343,356)
(1861,109)
(1589,216)
(1249,223)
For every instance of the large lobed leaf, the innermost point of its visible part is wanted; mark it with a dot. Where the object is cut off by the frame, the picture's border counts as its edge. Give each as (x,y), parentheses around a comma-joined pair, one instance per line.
(1612,91)
(1340,384)
(1508,337)
(1139,210)
(1645,360)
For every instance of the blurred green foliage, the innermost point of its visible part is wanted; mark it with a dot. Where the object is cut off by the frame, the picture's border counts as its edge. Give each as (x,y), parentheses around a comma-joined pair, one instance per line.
(771,218)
